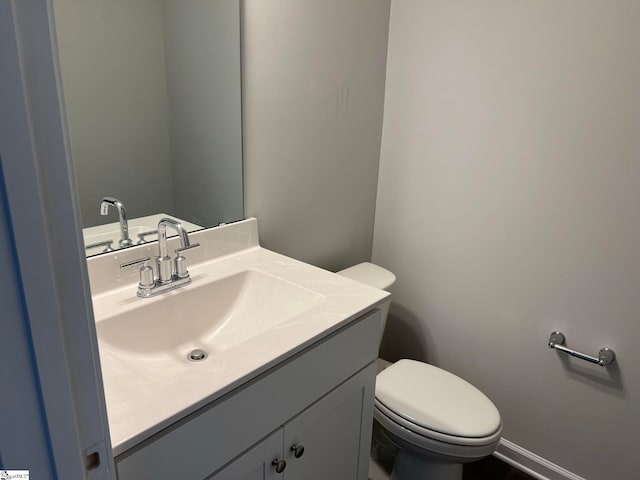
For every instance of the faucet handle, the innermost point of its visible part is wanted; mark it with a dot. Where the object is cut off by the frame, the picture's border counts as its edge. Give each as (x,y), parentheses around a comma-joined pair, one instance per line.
(181,262)
(107,244)
(146,272)
(136,262)
(142,235)
(188,247)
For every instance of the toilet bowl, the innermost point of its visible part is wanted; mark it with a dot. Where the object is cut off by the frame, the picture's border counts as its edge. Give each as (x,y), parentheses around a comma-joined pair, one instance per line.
(434,420)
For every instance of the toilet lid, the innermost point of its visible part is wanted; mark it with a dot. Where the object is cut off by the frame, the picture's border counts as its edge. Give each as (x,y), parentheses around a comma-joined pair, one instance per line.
(436,400)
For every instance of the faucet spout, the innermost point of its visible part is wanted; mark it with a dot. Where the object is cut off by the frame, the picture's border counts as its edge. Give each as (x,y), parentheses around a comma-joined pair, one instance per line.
(163,260)
(171,275)
(162,235)
(125,241)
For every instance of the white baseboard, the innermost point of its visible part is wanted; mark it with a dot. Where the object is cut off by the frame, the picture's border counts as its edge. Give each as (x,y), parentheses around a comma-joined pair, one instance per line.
(532,464)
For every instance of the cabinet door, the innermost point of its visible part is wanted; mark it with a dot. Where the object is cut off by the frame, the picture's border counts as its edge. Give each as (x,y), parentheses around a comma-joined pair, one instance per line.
(335,433)
(255,464)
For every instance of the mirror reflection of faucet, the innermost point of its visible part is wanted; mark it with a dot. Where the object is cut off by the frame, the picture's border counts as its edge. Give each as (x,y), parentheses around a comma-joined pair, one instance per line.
(141,230)
(142,236)
(107,244)
(124,241)
(170,274)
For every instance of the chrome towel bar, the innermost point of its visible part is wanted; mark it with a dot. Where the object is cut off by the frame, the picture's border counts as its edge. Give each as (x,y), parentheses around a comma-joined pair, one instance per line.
(604,358)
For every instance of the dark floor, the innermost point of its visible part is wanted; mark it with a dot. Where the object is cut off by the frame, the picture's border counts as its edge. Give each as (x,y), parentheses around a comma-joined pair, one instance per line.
(491,468)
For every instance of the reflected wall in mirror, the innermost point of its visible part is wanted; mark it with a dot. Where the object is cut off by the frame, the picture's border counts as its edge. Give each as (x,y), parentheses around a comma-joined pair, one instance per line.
(152,97)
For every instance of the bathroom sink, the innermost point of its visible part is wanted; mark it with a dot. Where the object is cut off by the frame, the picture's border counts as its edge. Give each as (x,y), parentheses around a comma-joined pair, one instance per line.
(248,308)
(212,316)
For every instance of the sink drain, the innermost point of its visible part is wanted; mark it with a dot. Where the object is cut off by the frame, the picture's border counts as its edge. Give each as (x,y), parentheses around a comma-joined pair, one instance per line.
(197,355)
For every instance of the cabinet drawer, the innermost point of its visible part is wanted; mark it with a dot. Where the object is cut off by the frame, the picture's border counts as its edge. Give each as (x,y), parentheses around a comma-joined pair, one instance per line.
(206,440)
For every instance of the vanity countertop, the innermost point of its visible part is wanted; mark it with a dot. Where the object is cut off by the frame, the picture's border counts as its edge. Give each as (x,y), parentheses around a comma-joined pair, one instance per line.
(142,401)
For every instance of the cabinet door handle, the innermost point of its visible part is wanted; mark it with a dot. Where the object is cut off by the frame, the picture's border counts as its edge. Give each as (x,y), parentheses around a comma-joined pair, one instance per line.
(298,450)
(279,464)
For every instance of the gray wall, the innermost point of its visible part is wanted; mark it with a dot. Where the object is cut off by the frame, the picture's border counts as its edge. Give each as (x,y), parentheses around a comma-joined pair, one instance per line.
(113,75)
(508,208)
(313,89)
(202,45)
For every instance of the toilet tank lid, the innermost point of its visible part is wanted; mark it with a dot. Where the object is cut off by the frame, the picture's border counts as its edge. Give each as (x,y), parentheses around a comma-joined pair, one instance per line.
(370,274)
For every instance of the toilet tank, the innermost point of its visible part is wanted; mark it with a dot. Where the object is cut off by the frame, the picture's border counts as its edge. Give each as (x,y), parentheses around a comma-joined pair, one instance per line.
(374,276)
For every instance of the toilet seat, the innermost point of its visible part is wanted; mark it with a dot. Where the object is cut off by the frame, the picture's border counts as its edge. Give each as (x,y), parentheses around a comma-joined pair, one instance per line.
(405,425)
(435,406)
(427,447)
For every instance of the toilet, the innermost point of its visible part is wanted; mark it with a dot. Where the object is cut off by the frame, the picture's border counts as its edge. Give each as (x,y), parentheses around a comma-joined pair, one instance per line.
(434,420)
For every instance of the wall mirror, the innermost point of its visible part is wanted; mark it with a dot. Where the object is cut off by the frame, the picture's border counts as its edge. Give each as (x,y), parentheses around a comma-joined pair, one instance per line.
(153,102)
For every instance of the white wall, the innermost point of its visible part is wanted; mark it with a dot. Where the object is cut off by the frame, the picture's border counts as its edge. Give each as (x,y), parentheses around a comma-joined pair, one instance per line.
(508,208)
(313,89)
(113,74)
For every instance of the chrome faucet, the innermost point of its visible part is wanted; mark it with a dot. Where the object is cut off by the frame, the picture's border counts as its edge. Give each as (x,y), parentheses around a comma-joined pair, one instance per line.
(163,260)
(170,274)
(124,241)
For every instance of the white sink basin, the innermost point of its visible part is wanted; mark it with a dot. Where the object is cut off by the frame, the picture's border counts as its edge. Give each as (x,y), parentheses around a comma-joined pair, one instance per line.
(211,316)
(248,308)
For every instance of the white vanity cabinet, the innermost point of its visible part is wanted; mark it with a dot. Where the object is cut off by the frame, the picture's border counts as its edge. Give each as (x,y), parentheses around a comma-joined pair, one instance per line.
(257,463)
(320,399)
(331,433)
(326,436)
